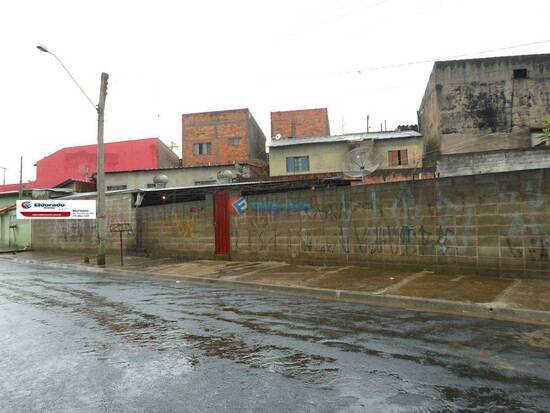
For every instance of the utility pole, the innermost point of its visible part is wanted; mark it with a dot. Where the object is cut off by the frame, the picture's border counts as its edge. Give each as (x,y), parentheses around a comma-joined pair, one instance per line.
(4,180)
(21,178)
(101,223)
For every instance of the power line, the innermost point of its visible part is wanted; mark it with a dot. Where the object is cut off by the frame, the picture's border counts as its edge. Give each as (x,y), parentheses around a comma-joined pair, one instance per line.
(371,6)
(346,6)
(417,62)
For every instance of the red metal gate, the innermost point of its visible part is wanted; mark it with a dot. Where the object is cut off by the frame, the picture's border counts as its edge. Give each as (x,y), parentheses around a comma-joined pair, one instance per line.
(221,217)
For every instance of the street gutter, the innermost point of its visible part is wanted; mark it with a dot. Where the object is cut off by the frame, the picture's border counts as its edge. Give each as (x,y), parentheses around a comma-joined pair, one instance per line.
(488,310)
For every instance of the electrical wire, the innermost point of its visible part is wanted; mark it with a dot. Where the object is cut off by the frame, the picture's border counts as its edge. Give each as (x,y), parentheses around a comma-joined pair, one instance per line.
(417,62)
(371,6)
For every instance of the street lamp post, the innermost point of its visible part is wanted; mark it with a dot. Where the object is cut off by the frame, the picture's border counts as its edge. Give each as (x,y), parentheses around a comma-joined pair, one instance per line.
(101,225)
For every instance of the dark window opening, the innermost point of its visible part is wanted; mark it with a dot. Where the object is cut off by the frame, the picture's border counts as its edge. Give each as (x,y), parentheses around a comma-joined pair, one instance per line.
(201,148)
(116,187)
(520,73)
(207,182)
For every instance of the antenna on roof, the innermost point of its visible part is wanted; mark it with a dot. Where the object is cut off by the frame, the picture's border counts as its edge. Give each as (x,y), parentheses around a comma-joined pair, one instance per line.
(368,119)
(173,145)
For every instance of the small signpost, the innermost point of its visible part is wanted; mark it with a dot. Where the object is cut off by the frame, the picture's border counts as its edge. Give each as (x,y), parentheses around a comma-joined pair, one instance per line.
(120,228)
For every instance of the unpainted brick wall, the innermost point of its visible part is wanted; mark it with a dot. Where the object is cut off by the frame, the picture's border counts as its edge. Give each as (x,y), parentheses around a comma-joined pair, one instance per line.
(217,128)
(496,224)
(300,123)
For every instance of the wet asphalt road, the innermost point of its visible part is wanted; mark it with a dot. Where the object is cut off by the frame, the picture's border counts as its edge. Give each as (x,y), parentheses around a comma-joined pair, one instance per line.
(86,342)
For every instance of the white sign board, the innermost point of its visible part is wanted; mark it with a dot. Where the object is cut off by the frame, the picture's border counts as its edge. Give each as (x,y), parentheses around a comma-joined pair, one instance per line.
(56,209)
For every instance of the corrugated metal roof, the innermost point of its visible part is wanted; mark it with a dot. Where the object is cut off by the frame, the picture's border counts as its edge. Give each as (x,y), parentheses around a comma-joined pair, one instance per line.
(6,209)
(185,168)
(176,188)
(353,137)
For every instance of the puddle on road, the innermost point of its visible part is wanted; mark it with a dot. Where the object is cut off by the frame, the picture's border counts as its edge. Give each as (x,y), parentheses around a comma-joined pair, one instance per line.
(250,333)
(538,338)
(156,333)
(481,399)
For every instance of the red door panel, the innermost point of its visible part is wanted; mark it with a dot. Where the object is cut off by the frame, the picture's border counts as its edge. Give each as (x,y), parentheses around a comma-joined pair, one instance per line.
(221,216)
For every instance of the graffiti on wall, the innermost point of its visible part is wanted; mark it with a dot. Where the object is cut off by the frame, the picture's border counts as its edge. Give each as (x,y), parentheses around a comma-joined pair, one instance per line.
(183,222)
(274,207)
(370,222)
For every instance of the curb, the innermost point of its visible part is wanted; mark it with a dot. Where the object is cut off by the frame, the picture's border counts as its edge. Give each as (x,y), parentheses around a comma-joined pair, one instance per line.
(382,300)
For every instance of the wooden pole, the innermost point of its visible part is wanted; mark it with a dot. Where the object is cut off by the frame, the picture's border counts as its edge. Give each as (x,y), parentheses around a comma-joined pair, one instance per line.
(121,256)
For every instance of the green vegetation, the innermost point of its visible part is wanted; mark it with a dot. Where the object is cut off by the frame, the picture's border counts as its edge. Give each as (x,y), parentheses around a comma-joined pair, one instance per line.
(546,127)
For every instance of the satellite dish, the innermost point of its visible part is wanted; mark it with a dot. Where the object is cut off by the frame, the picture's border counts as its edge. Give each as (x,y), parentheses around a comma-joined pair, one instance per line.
(277,137)
(359,162)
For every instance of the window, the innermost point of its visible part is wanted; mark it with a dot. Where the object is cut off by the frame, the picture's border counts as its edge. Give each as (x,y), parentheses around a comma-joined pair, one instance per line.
(398,157)
(151,186)
(116,187)
(201,149)
(235,140)
(208,182)
(297,164)
(520,73)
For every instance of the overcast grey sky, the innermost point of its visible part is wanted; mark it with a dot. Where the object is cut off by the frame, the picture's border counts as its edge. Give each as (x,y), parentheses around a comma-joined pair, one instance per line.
(166,58)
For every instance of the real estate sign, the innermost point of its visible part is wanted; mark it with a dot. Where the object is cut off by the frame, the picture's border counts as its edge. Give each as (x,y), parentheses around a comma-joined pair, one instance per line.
(56,209)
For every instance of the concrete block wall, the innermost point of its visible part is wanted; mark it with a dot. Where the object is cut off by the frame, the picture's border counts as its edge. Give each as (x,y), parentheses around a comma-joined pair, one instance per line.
(493,161)
(80,235)
(477,105)
(184,230)
(496,224)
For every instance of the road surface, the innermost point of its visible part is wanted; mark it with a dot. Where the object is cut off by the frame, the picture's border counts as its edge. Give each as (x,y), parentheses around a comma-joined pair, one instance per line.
(97,343)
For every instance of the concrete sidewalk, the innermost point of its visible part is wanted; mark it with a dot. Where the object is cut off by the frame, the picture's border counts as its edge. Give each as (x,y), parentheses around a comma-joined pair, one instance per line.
(524,300)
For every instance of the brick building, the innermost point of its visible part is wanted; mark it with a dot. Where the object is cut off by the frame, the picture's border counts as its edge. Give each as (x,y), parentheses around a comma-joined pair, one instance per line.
(221,137)
(300,123)
(478,105)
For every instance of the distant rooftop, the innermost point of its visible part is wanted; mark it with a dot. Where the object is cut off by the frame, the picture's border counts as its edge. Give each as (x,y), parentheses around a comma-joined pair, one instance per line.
(541,57)
(350,137)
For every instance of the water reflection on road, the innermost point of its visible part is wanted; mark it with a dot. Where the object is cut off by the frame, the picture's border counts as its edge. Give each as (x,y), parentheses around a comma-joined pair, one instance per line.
(85,342)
